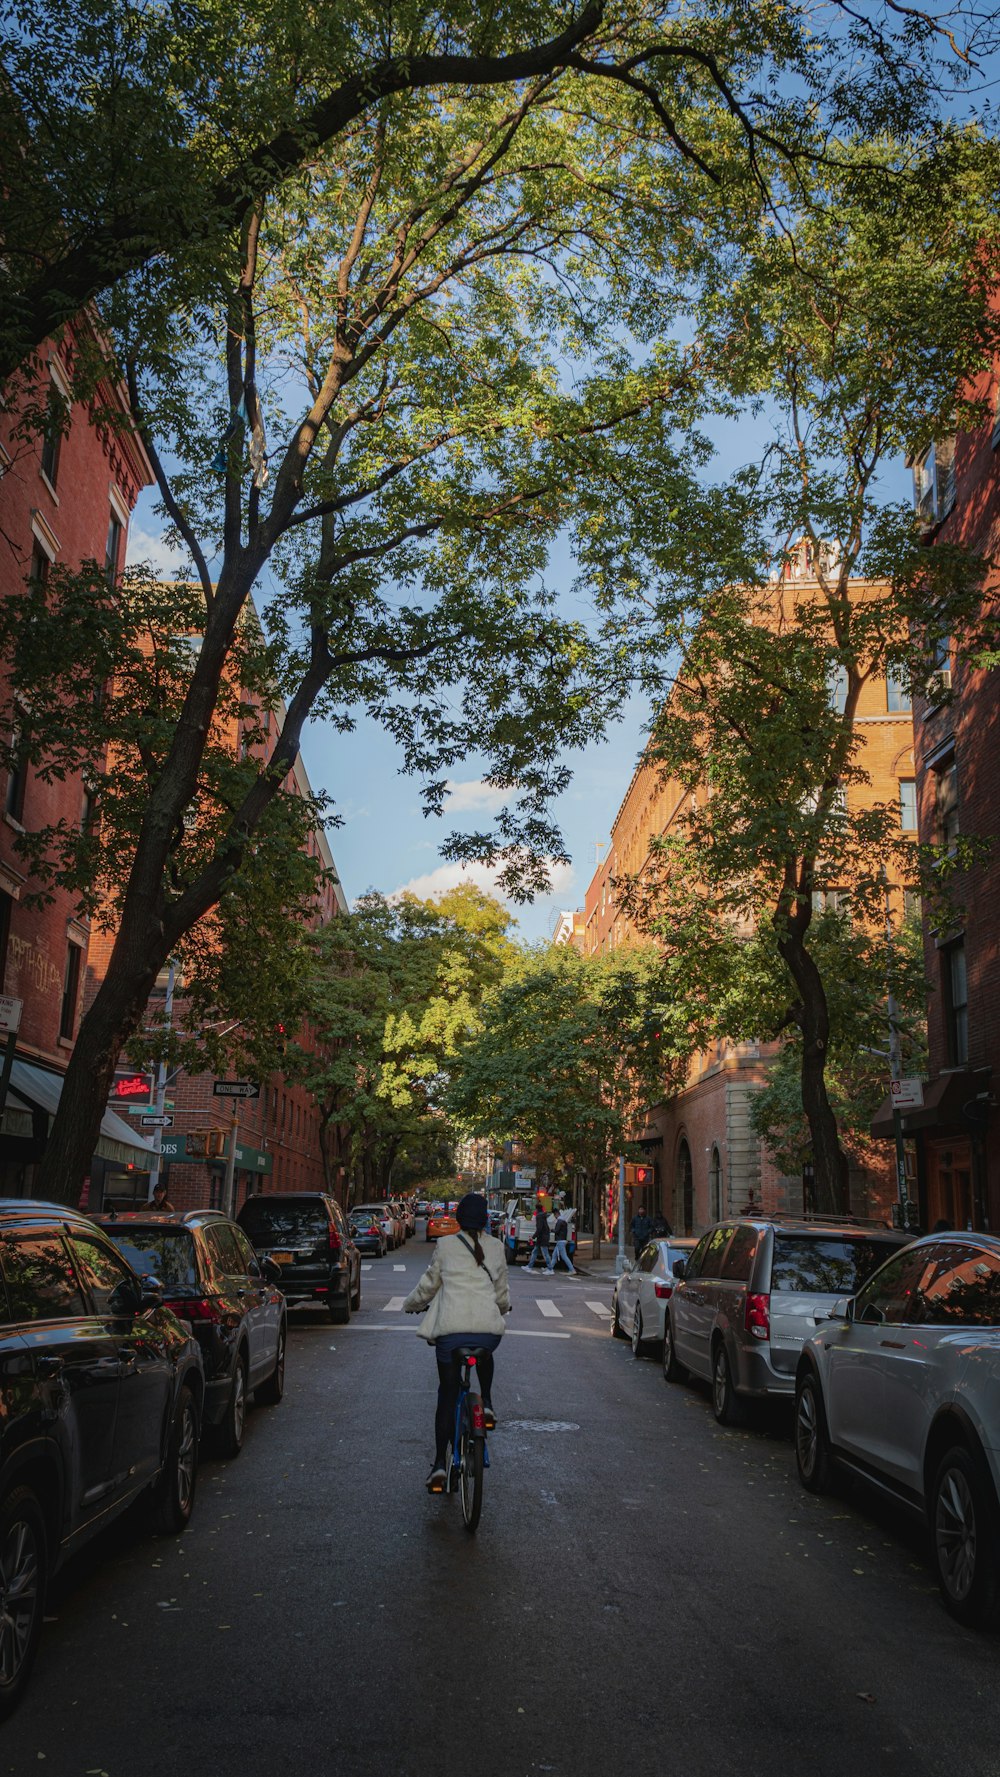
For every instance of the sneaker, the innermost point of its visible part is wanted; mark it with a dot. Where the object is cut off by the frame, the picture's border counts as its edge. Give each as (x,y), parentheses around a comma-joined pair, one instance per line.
(437,1478)
(489,1418)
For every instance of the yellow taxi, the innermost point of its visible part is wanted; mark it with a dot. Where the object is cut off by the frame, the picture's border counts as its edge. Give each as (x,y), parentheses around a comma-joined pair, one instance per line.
(442,1220)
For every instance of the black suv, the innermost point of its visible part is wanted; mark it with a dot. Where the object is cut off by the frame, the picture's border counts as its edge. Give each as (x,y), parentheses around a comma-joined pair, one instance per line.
(102,1392)
(307,1235)
(213,1279)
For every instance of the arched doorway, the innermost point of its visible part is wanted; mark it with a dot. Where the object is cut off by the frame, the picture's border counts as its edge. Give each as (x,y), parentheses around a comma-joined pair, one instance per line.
(684,1192)
(715,1186)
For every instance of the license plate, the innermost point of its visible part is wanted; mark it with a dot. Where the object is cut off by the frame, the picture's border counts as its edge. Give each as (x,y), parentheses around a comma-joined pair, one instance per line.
(281,1258)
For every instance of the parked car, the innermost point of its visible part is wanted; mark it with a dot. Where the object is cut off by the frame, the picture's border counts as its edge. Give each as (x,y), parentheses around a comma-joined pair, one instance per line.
(368,1232)
(640,1296)
(406,1210)
(519,1227)
(213,1280)
(306,1234)
(752,1292)
(901,1385)
(102,1391)
(387,1218)
(441,1221)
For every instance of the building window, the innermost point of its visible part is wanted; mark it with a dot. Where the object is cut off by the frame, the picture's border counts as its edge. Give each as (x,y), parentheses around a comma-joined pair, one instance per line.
(71,991)
(897,693)
(912,907)
(52,444)
(17,778)
(112,549)
(908,804)
(946,803)
(934,481)
(956,999)
(836,680)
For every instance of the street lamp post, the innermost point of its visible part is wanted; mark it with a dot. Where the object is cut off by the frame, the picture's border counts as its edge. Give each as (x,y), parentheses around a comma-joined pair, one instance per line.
(161,1082)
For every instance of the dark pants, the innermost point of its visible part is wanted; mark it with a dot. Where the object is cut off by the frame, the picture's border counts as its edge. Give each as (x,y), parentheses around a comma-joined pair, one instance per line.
(450,1379)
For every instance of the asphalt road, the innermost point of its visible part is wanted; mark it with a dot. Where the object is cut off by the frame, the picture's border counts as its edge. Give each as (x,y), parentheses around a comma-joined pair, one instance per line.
(646,1592)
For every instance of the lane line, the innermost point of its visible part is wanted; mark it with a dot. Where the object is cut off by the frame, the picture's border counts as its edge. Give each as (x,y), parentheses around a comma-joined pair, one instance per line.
(548,1308)
(601,1309)
(367,1326)
(399,1267)
(394,1305)
(366,1267)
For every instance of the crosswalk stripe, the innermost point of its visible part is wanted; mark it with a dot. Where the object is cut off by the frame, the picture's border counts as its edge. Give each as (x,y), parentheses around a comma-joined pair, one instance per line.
(601,1309)
(366,1267)
(549,1309)
(395,1304)
(399,1267)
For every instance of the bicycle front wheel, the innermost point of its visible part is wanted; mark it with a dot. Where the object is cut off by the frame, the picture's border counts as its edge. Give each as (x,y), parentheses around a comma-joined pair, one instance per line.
(472,1474)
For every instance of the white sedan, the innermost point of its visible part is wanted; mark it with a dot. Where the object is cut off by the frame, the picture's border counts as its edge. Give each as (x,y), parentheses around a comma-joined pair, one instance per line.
(641,1294)
(902,1386)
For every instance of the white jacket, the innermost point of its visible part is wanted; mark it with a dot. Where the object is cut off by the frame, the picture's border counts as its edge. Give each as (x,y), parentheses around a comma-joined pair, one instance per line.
(464,1297)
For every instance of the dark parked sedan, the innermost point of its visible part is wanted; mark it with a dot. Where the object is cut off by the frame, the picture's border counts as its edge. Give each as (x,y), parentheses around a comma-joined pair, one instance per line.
(367,1233)
(102,1391)
(307,1235)
(213,1279)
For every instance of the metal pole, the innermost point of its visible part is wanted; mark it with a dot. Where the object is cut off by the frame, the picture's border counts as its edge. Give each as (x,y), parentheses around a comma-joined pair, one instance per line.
(161,1082)
(620,1259)
(228,1206)
(8,1062)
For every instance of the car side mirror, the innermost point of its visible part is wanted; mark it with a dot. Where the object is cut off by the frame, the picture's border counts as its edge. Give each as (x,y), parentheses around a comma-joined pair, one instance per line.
(150,1295)
(125,1299)
(680,1266)
(270,1270)
(843,1309)
(627,1265)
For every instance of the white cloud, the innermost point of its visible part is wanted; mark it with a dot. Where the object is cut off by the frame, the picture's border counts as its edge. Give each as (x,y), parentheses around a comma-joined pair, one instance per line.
(147,547)
(449,876)
(474,794)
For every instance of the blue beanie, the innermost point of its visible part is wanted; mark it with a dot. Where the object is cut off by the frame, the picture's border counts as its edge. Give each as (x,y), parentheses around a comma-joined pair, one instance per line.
(472,1213)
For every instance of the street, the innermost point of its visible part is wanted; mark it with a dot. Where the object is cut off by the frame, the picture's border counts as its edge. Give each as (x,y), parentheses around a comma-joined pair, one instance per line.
(646,1590)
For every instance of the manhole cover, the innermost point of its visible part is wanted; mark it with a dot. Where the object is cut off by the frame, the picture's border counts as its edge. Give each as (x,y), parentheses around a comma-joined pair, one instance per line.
(541,1425)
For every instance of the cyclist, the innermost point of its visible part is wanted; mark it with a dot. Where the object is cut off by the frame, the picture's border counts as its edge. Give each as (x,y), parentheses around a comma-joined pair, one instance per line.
(466,1294)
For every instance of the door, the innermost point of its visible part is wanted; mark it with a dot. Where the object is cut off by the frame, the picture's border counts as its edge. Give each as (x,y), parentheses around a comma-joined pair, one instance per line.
(642,1280)
(147,1375)
(704,1301)
(686,1304)
(74,1359)
(264,1304)
(240,1296)
(858,1354)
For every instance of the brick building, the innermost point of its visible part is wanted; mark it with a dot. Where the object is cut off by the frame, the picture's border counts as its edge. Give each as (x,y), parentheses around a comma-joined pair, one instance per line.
(957,742)
(708,1162)
(66,496)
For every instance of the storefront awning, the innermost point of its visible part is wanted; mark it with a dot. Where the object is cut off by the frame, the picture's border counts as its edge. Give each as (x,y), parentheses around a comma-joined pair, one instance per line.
(40,1090)
(950,1101)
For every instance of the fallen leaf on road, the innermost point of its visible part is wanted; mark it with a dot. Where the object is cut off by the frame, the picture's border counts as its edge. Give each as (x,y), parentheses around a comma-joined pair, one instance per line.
(866,1696)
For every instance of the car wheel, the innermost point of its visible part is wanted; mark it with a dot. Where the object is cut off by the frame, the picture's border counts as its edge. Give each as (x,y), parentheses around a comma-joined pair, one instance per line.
(340,1312)
(356,1298)
(726,1404)
(231,1431)
(673,1369)
(964,1526)
(271,1390)
(173,1493)
(812,1445)
(23,1574)
(617,1330)
(637,1335)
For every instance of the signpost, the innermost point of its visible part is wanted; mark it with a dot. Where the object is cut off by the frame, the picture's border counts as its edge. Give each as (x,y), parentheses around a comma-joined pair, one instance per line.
(907,1095)
(157,1122)
(236,1089)
(10,1019)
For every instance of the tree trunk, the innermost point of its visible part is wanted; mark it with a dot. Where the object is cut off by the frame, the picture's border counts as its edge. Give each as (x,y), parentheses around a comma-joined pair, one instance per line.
(830,1166)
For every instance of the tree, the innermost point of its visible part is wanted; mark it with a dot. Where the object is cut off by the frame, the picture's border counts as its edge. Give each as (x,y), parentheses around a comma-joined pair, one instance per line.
(859,321)
(395,988)
(570,1051)
(142,135)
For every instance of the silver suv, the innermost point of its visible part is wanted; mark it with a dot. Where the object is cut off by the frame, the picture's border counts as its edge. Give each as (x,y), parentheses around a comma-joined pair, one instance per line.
(752,1292)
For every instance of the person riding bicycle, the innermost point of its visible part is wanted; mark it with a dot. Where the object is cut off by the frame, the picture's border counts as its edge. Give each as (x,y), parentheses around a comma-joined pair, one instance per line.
(466,1294)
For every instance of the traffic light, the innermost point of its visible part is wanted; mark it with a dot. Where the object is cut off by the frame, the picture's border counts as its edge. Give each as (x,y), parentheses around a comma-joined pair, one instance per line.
(280,1038)
(644,1175)
(206,1144)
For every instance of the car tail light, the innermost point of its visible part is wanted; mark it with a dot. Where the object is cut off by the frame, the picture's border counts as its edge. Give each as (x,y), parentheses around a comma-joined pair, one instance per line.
(757,1319)
(335,1244)
(200,1308)
(662,1290)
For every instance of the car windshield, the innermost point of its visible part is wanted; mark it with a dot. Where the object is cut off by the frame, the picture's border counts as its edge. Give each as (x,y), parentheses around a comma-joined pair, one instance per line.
(291,1224)
(165,1253)
(836,1265)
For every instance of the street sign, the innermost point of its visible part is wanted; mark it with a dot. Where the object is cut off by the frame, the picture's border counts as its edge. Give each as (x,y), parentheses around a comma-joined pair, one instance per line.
(157,1122)
(236,1089)
(128,1088)
(906,1095)
(10,1012)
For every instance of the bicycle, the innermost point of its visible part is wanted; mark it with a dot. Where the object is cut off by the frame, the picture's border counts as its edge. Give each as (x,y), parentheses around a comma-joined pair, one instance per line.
(468,1454)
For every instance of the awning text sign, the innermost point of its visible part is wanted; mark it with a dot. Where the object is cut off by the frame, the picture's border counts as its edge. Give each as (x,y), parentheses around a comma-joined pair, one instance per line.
(906,1095)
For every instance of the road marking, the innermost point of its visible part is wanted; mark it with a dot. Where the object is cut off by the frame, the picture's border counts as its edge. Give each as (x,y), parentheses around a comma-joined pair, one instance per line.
(548,1309)
(600,1308)
(394,1305)
(366,1267)
(399,1267)
(368,1326)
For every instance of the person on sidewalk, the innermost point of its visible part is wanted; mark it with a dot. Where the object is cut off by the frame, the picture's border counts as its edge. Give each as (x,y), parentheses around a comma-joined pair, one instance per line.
(541,1242)
(560,1235)
(466,1294)
(642,1228)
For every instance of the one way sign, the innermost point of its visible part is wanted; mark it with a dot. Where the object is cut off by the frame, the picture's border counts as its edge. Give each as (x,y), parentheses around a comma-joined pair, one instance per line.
(236,1089)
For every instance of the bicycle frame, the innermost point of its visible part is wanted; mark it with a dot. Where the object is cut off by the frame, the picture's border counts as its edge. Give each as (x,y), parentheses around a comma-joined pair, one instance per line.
(469,1390)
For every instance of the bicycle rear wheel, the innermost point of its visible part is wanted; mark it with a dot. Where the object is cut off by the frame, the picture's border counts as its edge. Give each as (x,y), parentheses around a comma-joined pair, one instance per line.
(471,1457)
